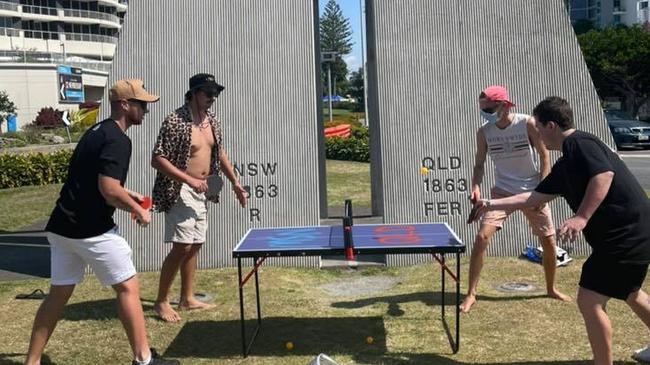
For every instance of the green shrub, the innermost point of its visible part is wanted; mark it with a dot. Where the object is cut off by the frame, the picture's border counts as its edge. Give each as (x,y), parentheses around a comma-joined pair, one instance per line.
(34,168)
(347,149)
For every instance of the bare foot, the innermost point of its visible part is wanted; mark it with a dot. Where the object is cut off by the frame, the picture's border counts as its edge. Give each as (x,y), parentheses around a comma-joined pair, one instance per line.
(165,312)
(193,304)
(467,304)
(555,294)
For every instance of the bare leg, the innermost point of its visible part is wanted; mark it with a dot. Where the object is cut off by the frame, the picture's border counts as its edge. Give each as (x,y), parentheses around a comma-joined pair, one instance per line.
(188,269)
(167,274)
(129,310)
(47,316)
(599,329)
(640,303)
(548,261)
(476,264)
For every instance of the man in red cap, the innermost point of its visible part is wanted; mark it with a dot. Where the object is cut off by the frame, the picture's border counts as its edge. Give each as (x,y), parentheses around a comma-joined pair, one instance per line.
(81,230)
(510,138)
(189,157)
(610,208)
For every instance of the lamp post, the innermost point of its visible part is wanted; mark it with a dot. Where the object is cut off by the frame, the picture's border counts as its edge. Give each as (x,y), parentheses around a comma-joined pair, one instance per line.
(363,62)
(329,57)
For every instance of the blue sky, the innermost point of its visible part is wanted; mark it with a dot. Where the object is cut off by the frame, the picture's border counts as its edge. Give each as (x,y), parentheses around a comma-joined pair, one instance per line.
(350,9)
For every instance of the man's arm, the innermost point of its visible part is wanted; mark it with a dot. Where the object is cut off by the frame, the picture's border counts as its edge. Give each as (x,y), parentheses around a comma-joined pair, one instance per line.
(514,202)
(229,172)
(479,163)
(536,141)
(597,190)
(115,195)
(166,167)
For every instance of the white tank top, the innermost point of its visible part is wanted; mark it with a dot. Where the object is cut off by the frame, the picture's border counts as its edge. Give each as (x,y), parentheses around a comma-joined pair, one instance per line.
(516,166)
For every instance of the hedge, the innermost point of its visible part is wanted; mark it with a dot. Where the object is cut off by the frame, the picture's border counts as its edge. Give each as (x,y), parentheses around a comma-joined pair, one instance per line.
(354,148)
(33,168)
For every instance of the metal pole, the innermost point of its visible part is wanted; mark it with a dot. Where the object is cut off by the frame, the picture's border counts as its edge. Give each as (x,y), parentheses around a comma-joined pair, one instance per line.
(363,62)
(329,87)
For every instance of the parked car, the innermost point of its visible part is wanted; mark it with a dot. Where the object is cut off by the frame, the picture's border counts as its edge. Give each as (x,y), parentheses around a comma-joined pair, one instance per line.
(628,132)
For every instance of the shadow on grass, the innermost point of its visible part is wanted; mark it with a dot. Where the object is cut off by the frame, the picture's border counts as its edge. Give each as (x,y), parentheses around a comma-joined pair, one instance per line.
(310,336)
(17,359)
(427,298)
(427,359)
(104,309)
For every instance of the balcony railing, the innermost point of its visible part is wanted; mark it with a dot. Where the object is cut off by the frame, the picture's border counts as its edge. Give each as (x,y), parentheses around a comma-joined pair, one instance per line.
(43,34)
(41,10)
(52,58)
(40,34)
(9,32)
(5,5)
(86,37)
(46,10)
(78,13)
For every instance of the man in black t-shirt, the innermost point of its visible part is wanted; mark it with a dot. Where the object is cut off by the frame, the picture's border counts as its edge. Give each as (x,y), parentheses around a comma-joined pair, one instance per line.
(81,230)
(611,209)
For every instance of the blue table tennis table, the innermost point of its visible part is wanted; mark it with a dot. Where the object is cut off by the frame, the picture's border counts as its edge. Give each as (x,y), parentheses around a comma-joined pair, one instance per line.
(437,239)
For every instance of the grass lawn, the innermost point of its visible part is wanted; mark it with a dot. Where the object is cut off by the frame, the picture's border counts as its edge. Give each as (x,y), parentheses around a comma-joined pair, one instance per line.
(404,321)
(20,207)
(342,114)
(348,180)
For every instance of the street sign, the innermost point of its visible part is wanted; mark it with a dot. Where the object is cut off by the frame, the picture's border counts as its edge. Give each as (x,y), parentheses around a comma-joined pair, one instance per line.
(71,88)
(328,56)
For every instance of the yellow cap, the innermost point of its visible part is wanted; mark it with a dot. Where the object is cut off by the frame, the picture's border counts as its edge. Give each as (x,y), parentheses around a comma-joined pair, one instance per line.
(131,89)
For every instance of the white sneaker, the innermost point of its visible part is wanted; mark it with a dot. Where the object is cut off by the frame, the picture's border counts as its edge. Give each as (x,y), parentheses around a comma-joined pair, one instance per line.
(642,355)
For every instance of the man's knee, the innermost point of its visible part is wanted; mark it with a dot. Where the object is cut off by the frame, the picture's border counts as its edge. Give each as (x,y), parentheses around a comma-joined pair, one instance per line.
(637,297)
(590,302)
(182,249)
(547,242)
(129,286)
(482,239)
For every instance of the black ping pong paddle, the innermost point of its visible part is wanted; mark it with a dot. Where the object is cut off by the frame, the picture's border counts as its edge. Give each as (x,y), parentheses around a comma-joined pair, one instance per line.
(472,214)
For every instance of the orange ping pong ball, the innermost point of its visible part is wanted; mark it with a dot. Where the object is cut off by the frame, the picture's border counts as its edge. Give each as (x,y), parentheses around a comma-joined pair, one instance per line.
(423,170)
(289,345)
(370,340)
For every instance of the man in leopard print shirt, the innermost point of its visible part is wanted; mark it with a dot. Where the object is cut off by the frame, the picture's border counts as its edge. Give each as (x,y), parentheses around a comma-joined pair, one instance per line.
(188,155)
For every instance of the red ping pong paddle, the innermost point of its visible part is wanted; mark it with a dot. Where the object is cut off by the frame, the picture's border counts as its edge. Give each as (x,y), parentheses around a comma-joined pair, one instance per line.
(145,204)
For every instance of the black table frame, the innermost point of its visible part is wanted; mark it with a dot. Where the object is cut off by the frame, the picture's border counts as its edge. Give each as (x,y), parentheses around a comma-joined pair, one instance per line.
(438,254)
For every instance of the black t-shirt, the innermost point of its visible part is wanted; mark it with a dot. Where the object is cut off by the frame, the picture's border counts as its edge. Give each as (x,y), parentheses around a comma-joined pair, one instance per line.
(620,227)
(81,211)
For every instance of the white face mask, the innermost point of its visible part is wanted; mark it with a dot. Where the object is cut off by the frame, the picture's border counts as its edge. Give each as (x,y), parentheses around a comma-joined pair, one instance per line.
(490,117)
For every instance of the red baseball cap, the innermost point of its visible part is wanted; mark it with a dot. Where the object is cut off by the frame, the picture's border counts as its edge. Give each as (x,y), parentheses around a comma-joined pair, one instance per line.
(497,93)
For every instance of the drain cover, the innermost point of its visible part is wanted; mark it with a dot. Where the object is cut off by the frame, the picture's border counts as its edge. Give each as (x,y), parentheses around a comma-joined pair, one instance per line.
(516,287)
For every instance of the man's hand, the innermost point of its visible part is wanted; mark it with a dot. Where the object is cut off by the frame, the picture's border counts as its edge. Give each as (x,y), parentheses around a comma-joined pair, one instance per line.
(198,185)
(475,195)
(571,228)
(142,216)
(136,196)
(480,208)
(240,192)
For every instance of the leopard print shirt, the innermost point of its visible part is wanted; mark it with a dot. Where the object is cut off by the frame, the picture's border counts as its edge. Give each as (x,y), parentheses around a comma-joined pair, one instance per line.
(173,143)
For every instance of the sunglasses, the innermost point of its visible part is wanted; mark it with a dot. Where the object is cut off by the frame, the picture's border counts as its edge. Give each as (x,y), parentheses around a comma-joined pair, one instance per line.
(143,104)
(210,93)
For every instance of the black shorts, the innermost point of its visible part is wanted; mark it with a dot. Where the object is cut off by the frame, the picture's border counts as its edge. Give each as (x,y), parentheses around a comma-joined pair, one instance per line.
(612,279)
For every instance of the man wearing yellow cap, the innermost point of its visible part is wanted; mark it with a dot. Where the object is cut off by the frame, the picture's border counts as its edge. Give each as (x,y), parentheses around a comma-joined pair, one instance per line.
(81,230)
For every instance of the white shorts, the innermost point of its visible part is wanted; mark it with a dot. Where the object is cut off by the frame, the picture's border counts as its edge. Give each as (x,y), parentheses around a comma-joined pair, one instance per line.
(109,255)
(187,220)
